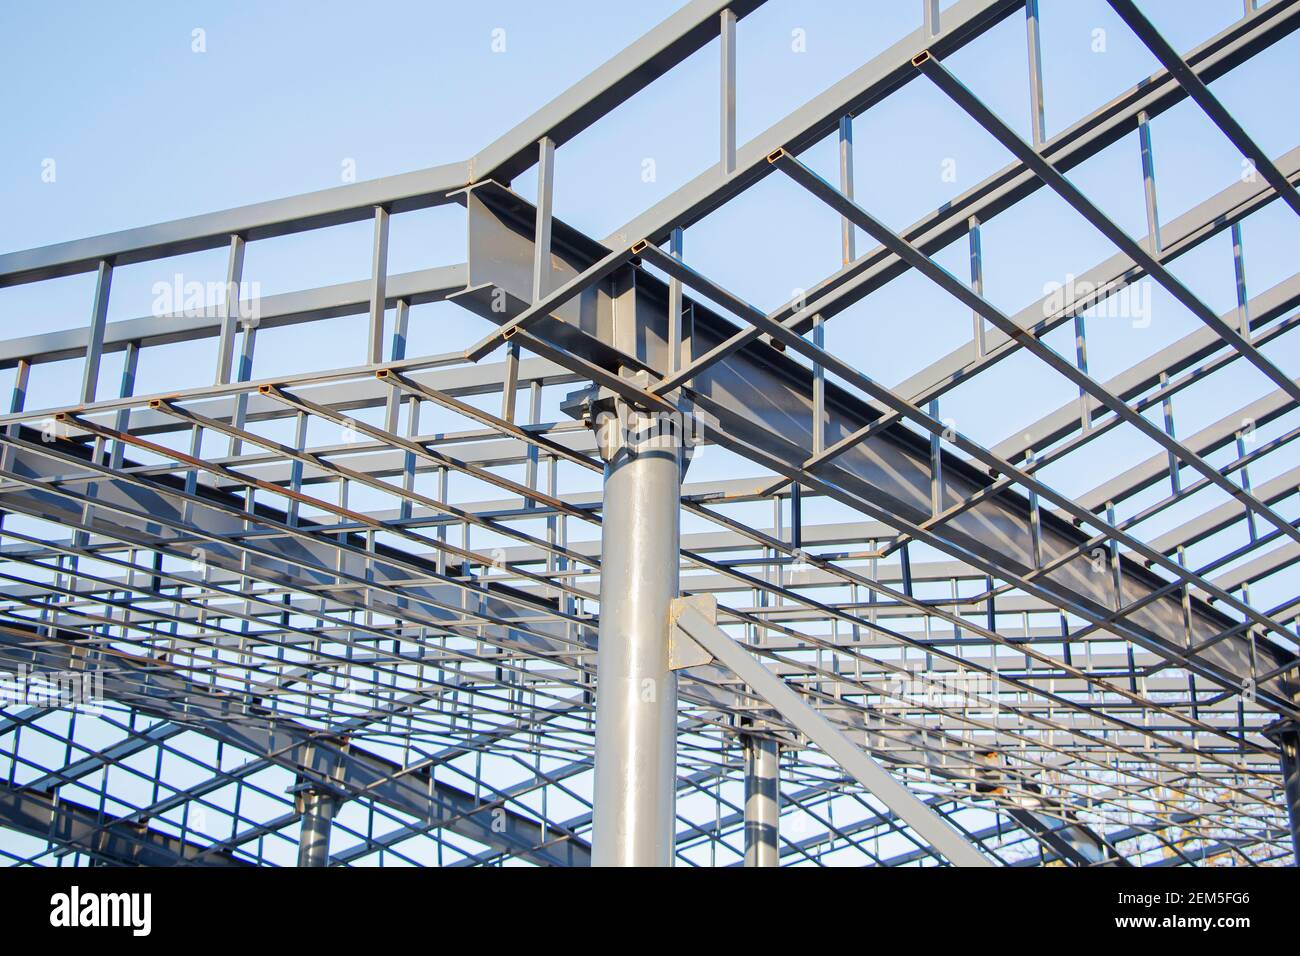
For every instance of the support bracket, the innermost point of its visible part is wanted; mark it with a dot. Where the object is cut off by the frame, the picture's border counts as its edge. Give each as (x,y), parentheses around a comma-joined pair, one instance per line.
(683,650)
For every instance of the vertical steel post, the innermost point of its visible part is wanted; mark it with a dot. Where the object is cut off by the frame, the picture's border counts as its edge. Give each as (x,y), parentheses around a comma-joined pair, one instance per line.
(936,466)
(930,17)
(727,28)
(397,352)
(1289,742)
(976,280)
(378,287)
(762,801)
(675,358)
(541,267)
(1037,110)
(317,809)
(1167,404)
(848,232)
(230,309)
(1149,183)
(95,336)
(542,230)
(130,365)
(1081,361)
(636,692)
(1239,270)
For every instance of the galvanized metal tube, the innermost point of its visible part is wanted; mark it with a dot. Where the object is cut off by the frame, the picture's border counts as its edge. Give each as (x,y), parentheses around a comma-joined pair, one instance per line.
(762,801)
(317,818)
(636,693)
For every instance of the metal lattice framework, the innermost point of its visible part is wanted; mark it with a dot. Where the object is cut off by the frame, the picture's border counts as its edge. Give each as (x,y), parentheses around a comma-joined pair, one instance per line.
(352,616)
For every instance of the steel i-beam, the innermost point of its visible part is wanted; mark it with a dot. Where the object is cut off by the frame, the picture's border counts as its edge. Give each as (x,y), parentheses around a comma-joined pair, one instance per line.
(636,691)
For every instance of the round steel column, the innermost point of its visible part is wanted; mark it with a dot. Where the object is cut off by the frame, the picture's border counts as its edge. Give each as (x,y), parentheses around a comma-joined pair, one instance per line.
(762,801)
(317,816)
(636,693)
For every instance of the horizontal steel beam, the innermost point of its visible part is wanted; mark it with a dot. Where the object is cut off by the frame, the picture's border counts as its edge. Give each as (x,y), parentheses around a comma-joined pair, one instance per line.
(760,402)
(265,220)
(658,51)
(67,824)
(273,311)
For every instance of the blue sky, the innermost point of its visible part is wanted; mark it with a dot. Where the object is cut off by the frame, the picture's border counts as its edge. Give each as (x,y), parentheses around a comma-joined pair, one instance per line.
(142,129)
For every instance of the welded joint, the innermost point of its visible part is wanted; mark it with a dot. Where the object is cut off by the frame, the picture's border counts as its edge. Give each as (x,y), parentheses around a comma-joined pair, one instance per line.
(624,427)
(683,650)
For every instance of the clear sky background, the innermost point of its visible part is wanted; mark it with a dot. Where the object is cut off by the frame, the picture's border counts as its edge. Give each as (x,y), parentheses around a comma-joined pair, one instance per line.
(285,97)
(143,129)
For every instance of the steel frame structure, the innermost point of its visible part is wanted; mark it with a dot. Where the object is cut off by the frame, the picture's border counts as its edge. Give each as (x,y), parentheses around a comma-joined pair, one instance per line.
(383,648)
